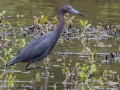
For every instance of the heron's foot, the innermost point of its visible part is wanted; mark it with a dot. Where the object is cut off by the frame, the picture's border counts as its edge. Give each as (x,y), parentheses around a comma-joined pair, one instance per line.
(27,69)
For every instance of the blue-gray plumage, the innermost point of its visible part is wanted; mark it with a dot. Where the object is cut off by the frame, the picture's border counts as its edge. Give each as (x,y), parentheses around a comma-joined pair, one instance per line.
(39,48)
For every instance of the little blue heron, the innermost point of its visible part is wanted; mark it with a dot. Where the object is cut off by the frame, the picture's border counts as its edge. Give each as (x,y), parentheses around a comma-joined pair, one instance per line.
(39,48)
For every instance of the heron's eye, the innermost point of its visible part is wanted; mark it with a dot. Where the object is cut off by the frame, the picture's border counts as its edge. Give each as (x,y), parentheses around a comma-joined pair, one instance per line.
(68,8)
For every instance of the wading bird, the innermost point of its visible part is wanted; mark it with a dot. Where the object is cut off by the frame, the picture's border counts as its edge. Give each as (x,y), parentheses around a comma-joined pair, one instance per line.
(39,48)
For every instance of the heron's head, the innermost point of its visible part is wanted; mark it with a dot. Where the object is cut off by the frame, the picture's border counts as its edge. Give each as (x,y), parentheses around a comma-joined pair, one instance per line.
(70,9)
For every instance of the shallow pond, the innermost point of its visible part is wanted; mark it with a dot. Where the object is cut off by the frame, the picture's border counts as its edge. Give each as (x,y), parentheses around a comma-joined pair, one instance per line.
(95,11)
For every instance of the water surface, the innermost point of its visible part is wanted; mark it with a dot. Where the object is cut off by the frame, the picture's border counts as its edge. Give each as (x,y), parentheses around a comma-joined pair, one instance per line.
(96,11)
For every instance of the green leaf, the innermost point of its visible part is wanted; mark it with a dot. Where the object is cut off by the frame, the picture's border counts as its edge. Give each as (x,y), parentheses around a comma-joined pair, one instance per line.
(110,71)
(45,20)
(82,74)
(88,26)
(11,82)
(119,48)
(38,77)
(64,57)
(84,68)
(93,54)
(10,50)
(102,83)
(22,42)
(67,71)
(11,56)
(55,86)
(10,77)
(5,50)
(93,68)
(84,23)
(77,64)
(6,23)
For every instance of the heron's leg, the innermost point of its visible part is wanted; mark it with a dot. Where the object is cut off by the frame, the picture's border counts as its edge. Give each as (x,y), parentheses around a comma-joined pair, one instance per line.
(34,72)
(27,67)
(34,69)
(45,71)
(61,49)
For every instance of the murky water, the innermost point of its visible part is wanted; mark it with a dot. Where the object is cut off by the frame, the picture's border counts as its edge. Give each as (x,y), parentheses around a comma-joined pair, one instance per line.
(95,11)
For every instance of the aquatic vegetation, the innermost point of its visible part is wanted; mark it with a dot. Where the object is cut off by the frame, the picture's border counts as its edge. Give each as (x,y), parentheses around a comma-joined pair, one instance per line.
(84,36)
(87,76)
(7,81)
(90,69)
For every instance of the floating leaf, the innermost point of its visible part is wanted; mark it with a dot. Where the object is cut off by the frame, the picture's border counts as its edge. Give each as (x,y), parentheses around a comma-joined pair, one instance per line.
(3,12)
(35,17)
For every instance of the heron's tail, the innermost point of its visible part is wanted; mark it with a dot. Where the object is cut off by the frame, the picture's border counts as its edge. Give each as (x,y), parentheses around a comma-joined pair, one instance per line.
(13,61)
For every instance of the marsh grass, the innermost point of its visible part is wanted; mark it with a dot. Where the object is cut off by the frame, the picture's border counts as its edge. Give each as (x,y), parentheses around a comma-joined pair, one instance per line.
(82,76)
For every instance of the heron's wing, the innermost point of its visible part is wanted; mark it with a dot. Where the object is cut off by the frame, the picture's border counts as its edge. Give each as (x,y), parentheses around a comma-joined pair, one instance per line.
(32,51)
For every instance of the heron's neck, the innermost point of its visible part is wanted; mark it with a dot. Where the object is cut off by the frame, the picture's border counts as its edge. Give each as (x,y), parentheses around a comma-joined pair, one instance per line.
(61,21)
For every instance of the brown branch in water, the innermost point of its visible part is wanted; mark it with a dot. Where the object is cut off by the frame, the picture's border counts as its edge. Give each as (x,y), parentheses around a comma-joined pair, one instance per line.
(61,49)
(15,88)
(68,77)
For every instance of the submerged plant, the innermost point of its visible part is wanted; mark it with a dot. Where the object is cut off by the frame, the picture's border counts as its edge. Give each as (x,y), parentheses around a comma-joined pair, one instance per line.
(68,20)
(87,76)
(84,36)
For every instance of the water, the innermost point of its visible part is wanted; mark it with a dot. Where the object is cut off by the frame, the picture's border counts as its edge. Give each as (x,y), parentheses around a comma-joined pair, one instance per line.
(96,11)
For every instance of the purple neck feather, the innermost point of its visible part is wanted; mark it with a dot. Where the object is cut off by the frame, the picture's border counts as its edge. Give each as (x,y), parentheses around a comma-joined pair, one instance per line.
(60,25)
(61,20)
